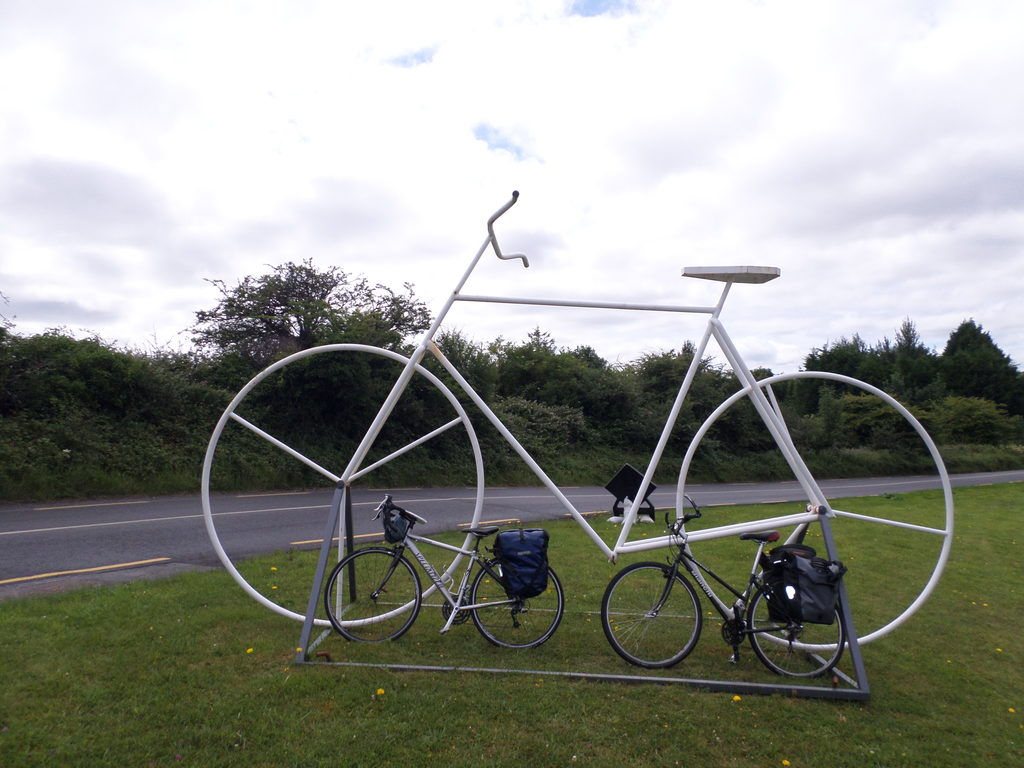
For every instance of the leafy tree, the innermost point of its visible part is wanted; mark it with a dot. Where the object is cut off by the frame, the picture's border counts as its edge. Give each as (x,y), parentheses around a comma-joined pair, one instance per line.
(972,420)
(867,421)
(297,306)
(472,360)
(973,366)
(915,368)
(659,377)
(849,357)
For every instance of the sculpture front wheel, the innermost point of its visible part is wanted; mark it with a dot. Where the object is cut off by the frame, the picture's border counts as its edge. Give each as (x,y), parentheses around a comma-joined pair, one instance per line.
(895,546)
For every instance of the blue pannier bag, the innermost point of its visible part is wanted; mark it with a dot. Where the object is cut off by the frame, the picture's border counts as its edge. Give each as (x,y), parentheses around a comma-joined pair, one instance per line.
(523,553)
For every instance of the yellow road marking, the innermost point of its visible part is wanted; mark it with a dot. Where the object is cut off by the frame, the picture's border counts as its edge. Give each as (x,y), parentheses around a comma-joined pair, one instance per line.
(86,570)
(493,522)
(321,541)
(83,506)
(275,493)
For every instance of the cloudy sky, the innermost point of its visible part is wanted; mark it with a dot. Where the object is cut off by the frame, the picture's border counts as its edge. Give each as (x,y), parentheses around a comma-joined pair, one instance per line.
(873,150)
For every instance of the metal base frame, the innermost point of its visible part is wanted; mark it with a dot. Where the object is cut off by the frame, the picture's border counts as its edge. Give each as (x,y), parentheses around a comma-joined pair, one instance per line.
(856,688)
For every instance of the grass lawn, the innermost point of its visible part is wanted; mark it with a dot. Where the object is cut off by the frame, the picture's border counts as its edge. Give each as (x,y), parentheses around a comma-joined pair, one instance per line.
(190,671)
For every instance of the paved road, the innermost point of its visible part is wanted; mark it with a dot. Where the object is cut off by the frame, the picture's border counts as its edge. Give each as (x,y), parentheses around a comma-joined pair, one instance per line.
(52,547)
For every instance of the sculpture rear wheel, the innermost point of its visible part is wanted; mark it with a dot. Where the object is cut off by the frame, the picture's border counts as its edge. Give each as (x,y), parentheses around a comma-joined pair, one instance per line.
(309,441)
(895,547)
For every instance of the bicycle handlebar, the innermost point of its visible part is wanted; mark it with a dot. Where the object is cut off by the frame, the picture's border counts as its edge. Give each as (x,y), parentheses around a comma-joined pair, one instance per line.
(493,238)
(387,506)
(676,526)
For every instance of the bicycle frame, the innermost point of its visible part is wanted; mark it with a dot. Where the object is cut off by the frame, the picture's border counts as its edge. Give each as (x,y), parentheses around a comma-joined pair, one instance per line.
(767,409)
(697,569)
(453,600)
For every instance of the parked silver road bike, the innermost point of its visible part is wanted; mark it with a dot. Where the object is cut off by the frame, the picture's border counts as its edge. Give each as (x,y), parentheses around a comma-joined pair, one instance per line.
(373,593)
(403,385)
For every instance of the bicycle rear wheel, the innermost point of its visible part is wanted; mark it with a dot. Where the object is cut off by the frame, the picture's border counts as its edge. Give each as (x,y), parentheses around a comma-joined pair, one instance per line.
(517,622)
(796,650)
(372,596)
(642,624)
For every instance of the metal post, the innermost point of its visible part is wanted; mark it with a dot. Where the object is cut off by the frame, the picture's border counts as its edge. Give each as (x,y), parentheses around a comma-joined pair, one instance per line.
(852,640)
(341,495)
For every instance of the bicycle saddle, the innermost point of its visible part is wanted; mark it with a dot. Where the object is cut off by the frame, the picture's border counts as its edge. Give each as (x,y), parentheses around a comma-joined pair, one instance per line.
(734,274)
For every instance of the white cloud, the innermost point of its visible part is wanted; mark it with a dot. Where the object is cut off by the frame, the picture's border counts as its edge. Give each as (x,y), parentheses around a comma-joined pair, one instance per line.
(871,150)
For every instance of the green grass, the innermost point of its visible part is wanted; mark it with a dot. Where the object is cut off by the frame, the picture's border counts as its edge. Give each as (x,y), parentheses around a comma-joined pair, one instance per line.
(190,671)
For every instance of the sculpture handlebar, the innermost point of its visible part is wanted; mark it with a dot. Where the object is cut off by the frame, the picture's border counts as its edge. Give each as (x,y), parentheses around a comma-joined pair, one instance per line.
(493,238)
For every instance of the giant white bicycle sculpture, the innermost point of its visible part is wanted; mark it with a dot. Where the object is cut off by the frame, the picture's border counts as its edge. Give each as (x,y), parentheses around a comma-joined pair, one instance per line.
(361,463)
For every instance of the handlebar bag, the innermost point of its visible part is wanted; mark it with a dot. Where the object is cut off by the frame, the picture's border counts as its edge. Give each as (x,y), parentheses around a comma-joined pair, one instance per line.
(395,527)
(523,554)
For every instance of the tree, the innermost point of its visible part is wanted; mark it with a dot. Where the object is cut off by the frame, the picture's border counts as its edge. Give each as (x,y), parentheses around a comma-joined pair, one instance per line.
(914,378)
(297,306)
(972,420)
(973,366)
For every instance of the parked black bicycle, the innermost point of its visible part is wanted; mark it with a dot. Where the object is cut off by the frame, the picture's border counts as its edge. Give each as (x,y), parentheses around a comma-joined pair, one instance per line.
(789,609)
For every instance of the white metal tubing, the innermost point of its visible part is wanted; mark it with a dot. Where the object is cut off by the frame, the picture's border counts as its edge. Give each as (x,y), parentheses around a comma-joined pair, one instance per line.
(286,448)
(417,356)
(523,453)
(718,532)
(630,516)
(692,310)
(405,449)
(886,521)
(382,415)
(772,419)
(211,528)
(909,418)
(440,544)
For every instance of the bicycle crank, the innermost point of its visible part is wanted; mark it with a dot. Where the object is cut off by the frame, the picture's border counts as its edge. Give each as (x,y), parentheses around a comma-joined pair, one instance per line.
(460,618)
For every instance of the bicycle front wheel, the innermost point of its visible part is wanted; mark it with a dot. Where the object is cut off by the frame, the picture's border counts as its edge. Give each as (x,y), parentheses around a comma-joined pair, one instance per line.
(649,621)
(516,622)
(372,595)
(797,650)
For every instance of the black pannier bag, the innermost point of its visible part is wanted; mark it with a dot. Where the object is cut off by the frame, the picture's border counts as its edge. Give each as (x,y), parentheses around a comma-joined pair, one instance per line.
(801,586)
(523,553)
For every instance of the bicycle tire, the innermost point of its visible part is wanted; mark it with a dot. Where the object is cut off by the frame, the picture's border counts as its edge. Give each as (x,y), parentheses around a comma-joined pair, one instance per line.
(371,596)
(638,634)
(521,623)
(795,650)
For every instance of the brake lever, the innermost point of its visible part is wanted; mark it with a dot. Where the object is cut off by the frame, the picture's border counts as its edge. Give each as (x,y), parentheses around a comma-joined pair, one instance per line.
(384,505)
